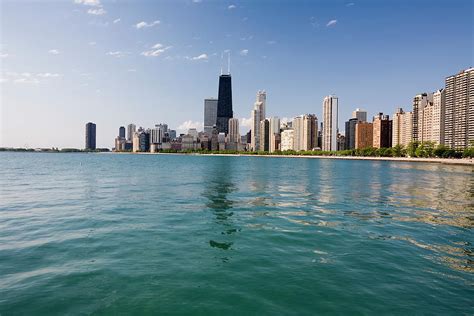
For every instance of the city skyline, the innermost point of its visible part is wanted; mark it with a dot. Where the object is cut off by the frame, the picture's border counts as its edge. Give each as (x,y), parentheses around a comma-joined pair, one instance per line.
(120,82)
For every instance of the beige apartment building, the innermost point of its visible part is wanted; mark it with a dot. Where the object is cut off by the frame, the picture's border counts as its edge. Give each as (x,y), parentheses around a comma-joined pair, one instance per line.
(402,128)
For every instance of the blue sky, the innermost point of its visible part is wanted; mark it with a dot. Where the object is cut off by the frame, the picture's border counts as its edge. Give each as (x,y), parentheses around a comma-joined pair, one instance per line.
(64,63)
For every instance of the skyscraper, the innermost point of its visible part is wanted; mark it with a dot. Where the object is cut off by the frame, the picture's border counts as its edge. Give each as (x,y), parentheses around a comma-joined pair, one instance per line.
(438,117)
(364,135)
(330,123)
(234,135)
(210,114)
(350,133)
(122,132)
(459,120)
(305,134)
(402,128)
(382,133)
(420,101)
(287,139)
(264,135)
(131,129)
(90,136)
(224,103)
(274,134)
(258,114)
(360,115)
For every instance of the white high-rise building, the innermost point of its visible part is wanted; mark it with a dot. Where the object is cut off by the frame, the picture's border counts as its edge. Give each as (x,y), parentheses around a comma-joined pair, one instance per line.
(305,129)
(287,139)
(402,128)
(274,134)
(258,114)
(360,115)
(158,133)
(234,135)
(330,123)
(439,110)
(131,129)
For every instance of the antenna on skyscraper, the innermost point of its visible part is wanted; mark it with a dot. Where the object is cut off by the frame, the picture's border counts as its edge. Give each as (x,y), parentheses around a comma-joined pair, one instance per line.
(228,62)
(222,61)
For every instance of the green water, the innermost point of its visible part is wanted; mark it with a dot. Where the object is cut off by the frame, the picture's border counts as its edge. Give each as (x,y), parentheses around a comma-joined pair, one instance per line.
(166,234)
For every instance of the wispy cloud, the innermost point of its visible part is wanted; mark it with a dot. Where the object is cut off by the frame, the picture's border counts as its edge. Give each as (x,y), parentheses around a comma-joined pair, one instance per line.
(3,55)
(28,77)
(200,57)
(143,24)
(314,23)
(48,75)
(197,1)
(231,7)
(331,23)
(117,54)
(350,4)
(244,52)
(271,42)
(156,50)
(183,127)
(92,43)
(53,51)
(98,11)
(92,3)
(116,21)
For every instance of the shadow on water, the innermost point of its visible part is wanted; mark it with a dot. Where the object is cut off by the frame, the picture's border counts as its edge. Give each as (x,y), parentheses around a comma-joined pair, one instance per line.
(219,185)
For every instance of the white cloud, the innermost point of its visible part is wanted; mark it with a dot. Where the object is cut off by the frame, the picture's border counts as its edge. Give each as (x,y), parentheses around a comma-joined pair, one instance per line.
(92,3)
(244,52)
(246,122)
(350,4)
(3,55)
(117,54)
(116,21)
(200,57)
(197,1)
(144,24)
(99,11)
(92,43)
(271,42)
(190,124)
(231,7)
(26,80)
(156,50)
(48,75)
(331,23)
(53,51)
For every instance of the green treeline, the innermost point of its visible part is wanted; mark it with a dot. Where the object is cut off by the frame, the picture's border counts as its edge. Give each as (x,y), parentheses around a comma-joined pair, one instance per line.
(414,149)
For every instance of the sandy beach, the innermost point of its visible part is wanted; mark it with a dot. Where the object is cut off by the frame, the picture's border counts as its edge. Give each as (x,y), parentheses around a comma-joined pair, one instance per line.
(449,161)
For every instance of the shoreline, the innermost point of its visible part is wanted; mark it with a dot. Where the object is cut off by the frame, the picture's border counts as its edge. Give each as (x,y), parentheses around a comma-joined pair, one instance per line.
(447,161)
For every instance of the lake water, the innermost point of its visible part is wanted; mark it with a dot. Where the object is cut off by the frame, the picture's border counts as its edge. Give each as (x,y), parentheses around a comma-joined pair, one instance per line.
(173,234)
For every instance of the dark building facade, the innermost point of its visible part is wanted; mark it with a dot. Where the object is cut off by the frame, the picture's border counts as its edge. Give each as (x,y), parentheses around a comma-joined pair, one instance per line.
(145,141)
(350,133)
(90,136)
(224,104)
(122,132)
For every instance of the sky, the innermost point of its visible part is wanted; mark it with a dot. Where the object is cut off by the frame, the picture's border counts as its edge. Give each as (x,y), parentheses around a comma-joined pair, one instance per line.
(65,63)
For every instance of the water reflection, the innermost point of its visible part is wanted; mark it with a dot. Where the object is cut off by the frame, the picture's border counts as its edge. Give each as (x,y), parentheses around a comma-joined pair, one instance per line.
(219,185)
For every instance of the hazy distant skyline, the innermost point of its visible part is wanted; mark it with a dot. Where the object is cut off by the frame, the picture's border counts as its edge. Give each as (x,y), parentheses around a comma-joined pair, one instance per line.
(64,63)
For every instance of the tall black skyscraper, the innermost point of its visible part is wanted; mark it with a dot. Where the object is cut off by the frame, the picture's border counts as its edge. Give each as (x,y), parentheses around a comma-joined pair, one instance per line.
(122,132)
(224,103)
(90,136)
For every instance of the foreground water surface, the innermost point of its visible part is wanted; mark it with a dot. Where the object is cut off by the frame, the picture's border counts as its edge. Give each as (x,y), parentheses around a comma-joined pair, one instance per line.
(172,234)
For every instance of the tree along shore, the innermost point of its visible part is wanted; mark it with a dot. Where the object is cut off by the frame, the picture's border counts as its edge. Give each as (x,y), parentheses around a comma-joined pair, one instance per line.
(413,150)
